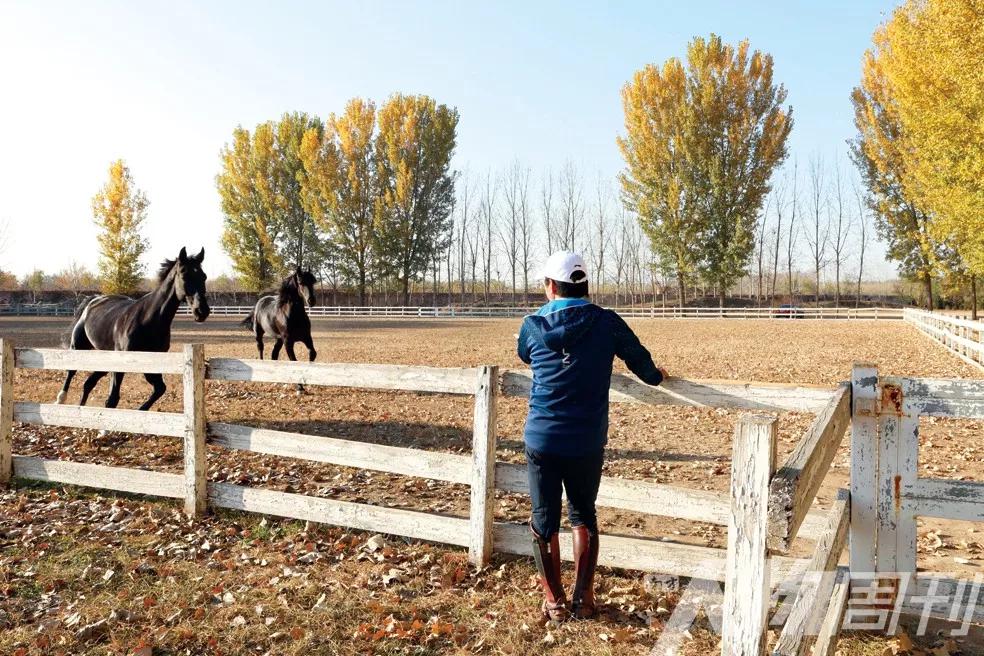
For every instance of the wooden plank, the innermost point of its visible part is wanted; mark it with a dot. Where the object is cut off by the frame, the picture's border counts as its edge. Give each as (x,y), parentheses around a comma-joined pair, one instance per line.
(120,479)
(449,467)
(747,576)
(795,485)
(482,504)
(908,474)
(369,376)
(825,643)
(957,600)
(942,397)
(934,497)
(122,361)
(804,619)
(6,410)
(393,521)
(642,554)
(864,466)
(196,497)
(656,499)
(700,393)
(167,424)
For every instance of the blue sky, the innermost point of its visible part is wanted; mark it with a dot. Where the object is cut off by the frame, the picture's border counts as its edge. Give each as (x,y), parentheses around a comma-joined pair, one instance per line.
(162,85)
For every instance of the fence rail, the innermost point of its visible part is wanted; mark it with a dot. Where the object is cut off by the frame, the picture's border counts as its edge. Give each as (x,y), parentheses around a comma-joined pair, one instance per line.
(771,505)
(451,312)
(962,337)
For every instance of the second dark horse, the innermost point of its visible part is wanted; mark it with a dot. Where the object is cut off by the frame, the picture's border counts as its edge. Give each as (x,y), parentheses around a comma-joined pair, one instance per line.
(283,316)
(120,323)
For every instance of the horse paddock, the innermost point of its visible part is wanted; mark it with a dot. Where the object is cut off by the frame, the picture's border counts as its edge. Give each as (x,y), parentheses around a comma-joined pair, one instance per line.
(236,584)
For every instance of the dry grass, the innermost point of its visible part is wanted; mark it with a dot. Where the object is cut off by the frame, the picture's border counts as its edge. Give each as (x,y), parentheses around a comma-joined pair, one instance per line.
(486,611)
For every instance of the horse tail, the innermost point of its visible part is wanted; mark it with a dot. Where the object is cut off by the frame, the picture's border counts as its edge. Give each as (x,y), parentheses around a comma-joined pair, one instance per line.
(249,322)
(80,308)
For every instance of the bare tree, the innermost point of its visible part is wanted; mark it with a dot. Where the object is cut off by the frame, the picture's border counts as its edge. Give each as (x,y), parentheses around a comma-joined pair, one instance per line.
(547,209)
(791,241)
(779,196)
(760,253)
(510,234)
(463,240)
(572,206)
(620,250)
(487,226)
(863,243)
(602,234)
(525,233)
(819,230)
(841,233)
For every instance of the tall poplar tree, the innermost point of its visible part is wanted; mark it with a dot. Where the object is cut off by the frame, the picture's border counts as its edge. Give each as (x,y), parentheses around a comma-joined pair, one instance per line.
(246,186)
(878,153)
(413,161)
(341,187)
(119,209)
(702,141)
(299,240)
(932,56)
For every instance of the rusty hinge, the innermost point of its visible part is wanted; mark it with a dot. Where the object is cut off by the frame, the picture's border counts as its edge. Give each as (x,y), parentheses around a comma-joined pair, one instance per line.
(888,401)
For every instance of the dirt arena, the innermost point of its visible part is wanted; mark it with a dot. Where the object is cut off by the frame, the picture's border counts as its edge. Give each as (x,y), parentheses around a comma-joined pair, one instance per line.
(683,446)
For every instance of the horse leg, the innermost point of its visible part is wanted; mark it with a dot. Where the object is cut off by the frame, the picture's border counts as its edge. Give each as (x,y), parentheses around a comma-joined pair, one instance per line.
(69,375)
(90,384)
(114,390)
(157,381)
(275,353)
(79,342)
(259,342)
(309,343)
(290,354)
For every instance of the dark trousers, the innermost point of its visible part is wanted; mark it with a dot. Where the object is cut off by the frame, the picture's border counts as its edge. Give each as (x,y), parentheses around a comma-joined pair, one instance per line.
(578,475)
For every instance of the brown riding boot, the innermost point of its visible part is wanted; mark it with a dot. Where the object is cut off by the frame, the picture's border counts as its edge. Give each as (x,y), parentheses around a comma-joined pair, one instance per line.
(547,557)
(585,561)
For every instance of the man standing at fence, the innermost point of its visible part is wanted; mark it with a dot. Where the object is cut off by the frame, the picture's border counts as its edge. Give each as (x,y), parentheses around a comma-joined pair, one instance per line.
(570,344)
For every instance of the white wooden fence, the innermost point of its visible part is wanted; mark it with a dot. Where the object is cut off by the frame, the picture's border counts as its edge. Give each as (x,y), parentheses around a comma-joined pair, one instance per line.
(451,312)
(767,508)
(962,337)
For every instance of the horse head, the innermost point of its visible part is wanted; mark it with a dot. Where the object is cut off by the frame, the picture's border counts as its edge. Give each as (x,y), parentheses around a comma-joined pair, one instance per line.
(305,285)
(189,283)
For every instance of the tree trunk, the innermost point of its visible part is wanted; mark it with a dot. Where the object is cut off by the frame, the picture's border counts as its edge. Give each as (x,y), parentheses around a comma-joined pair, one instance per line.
(928,282)
(973,298)
(683,291)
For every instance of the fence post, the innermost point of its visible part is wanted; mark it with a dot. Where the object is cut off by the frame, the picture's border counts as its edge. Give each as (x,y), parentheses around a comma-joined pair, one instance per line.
(898,452)
(6,410)
(864,465)
(482,511)
(194,438)
(746,586)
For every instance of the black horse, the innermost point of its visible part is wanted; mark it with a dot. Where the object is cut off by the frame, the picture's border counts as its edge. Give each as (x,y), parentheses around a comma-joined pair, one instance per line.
(284,316)
(120,323)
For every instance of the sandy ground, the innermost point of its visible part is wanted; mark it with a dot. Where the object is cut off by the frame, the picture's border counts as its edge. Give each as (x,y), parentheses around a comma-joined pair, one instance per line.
(683,446)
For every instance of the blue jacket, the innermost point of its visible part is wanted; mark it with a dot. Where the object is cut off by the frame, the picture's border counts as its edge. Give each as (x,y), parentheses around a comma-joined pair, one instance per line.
(570,345)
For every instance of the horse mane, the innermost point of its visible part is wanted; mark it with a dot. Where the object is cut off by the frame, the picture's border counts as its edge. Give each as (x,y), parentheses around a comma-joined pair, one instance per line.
(288,290)
(165,269)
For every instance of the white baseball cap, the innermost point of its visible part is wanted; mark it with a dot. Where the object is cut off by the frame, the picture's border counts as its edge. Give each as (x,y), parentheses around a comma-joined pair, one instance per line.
(562,264)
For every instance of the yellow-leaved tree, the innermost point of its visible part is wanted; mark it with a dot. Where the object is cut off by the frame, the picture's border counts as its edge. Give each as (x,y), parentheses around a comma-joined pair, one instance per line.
(702,140)
(119,210)
(932,55)
(879,152)
(246,187)
(414,146)
(341,187)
